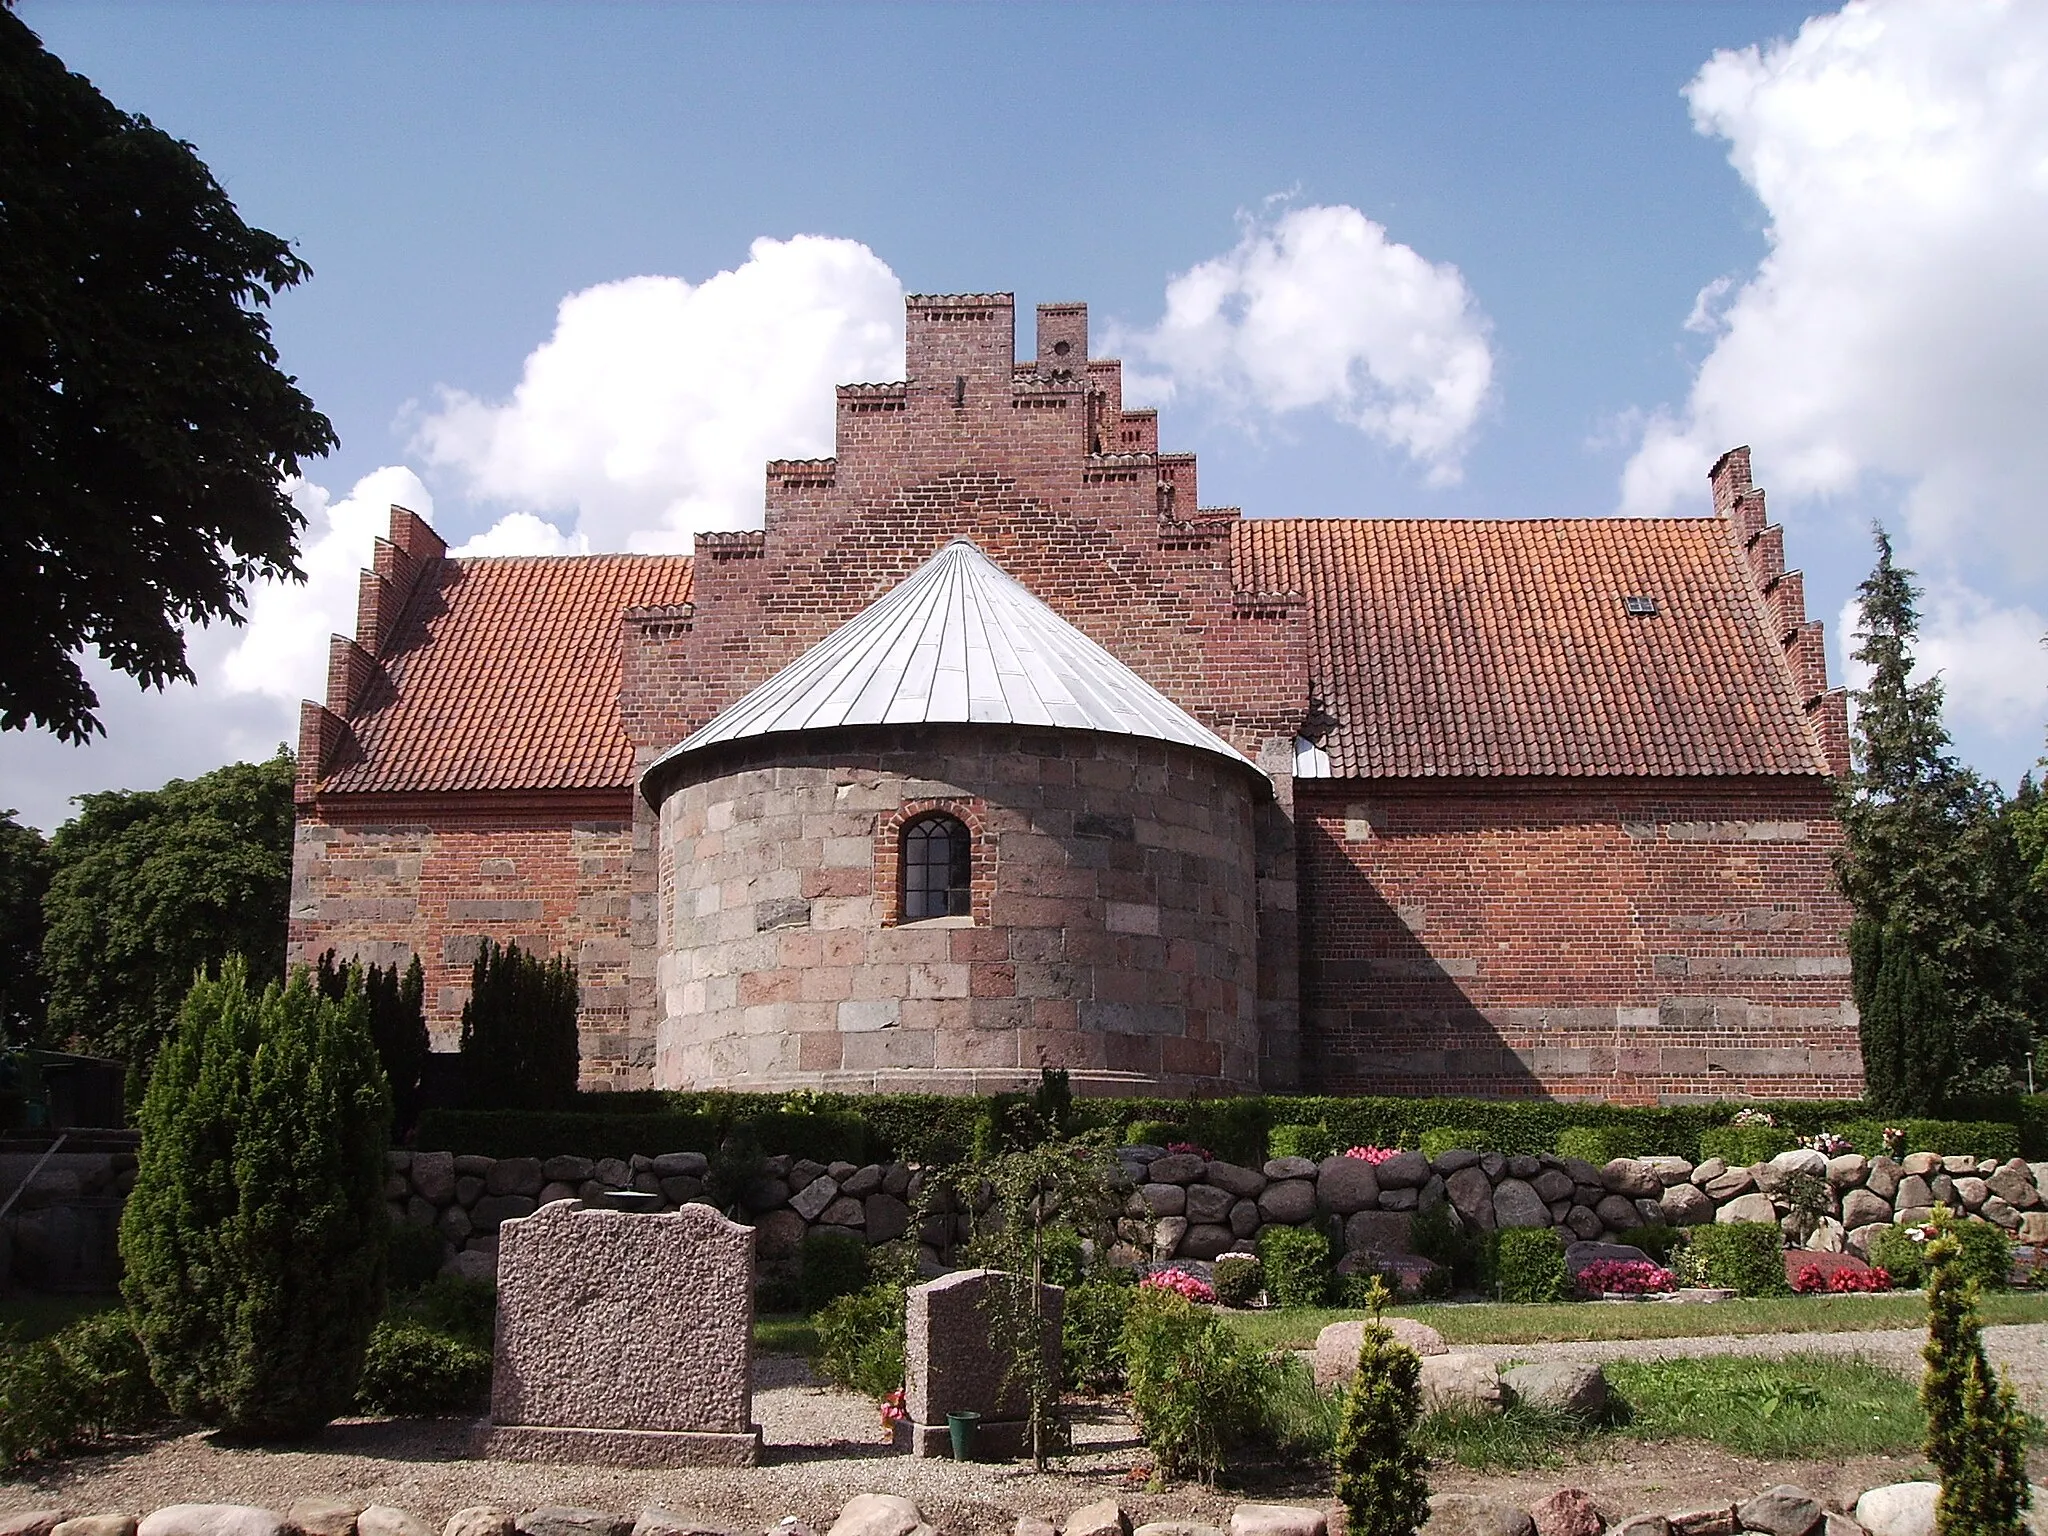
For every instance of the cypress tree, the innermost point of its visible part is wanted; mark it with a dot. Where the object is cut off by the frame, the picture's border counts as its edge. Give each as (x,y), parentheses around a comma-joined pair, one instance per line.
(254,1240)
(519,1042)
(1382,1477)
(398,1023)
(1976,1434)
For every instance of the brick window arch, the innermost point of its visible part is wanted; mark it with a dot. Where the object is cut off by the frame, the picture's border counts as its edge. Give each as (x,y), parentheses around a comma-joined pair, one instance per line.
(935,868)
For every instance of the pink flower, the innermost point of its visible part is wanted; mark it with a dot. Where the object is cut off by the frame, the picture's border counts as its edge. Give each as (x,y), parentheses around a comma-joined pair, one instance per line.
(1625,1277)
(893,1413)
(1372,1155)
(1190,1148)
(1850,1281)
(1809,1280)
(1181,1284)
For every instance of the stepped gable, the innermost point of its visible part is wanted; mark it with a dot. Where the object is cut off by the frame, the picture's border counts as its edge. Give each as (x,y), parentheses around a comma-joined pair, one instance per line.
(959,641)
(494,673)
(1482,648)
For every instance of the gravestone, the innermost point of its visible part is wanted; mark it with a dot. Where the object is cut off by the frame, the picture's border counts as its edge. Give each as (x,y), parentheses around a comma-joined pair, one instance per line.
(624,1339)
(951,1365)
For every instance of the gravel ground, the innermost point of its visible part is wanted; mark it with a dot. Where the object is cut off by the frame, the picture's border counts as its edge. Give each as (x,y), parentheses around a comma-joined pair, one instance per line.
(824,1445)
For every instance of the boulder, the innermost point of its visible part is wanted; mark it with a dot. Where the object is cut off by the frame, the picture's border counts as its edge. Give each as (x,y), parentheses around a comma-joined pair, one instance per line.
(1583,1222)
(564,1520)
(96,1525)
(1847,1170)
(1207,1241)
(1380,1232)
(473,1264)
(1038,1525)
(1568,1512)
(844,1212)
(1628,1176)
(1565,1386)
(811,1199)
(1168,1233)
(314,1516)
(1459,1158)
(514,1176)
(433,1176)
(1105,1517)
(1461,1384)
(887,1217)
(1921,1163)
(1972,1191)
(1244,1218)
(1288,1201)
(1999,1213)
(481,1520)
(1641,1525)
(1747,1208)
(1275,1520)
(2015,1186)
(1336,1355)
(1860,1208)
(1669,1170)
(385,1520)
(889,1514)
(1618,1213)
(1883,1177)
(862,1182)
(668,1522)
(1781,1511)
(1471,1514)
(1731,1185)
(779,1235)
(1471,1195)
(1686,1205)
(1914,1191)
(1799,1160)
(1404,1170)
(1718,1521)
(1899,1509)
(212,1520)
(1207,1203)
(1516,1204)
(1289,1168)
(1552,1184)
(1243,1183)
(680,1165)
(1346,1184)
(1578,1255)
(1705,1173)
(33,1522)
(1175,1168)
(1399,1199)
(1165,1199)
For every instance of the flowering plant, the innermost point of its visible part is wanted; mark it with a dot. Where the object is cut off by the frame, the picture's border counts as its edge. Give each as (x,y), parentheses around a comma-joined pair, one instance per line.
(1894,1141)
(1188,1148)
(1373,1155)
(1847,1281)
(1625,1277)
(1180,1283)
(1827,1144)
(1809,1280)
(1752,1117)
(893,1413)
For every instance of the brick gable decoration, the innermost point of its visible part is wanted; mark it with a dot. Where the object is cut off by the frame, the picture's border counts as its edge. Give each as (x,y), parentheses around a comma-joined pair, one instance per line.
(1503,807)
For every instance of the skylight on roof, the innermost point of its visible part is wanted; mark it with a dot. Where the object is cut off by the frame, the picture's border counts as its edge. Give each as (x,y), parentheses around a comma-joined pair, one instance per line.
(1640,607)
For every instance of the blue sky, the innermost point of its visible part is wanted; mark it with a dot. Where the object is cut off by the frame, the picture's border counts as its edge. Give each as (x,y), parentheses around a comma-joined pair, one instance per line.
(1527,203)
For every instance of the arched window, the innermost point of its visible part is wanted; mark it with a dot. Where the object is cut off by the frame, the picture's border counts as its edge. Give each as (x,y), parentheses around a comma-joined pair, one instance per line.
(937,868)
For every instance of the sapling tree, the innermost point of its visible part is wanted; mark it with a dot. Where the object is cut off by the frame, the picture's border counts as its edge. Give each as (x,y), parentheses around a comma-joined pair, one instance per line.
(1975,1431)
(1382,1477)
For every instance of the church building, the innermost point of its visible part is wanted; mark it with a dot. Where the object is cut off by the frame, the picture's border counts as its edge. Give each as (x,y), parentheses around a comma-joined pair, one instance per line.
(995,750)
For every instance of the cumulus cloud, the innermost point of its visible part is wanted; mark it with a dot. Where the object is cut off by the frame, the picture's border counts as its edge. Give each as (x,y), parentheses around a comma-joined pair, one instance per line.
(1992,665)
(1891,339)
(1318,309)
(647,416)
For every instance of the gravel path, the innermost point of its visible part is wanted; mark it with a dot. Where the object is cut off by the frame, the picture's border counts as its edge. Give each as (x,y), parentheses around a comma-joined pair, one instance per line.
(2021,1348)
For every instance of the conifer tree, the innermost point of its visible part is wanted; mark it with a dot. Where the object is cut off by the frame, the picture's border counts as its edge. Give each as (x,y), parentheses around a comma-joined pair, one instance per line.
(1382,1477)
(253,1243)
(1931,870)
(519,1042)
(1976,1437)
(398,1023)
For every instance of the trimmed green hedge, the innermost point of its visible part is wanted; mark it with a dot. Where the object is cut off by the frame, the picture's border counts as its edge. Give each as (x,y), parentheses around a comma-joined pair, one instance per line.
(1741,1145)
(939,1128)
(1747,1257)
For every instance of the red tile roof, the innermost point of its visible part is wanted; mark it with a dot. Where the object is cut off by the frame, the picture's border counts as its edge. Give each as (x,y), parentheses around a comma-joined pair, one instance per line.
(1482,647)
(504,674)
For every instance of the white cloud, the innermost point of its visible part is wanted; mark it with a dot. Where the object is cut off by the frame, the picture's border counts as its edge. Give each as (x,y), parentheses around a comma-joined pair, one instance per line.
(1318,309)
(521,533)
(649,413)
(1891,341)
(1993,667)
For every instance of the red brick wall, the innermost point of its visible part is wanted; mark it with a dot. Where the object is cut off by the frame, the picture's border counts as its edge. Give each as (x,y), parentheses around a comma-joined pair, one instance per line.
(383,882)
(1605,938)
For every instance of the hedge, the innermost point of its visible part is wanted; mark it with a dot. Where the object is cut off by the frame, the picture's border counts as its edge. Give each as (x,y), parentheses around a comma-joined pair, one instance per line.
(941,1128)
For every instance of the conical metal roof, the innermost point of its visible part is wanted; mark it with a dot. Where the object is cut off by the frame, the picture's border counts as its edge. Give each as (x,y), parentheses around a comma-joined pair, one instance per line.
(959,641)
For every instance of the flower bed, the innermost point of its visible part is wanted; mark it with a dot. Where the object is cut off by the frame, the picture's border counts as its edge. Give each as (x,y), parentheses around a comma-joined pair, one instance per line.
(1625,1277)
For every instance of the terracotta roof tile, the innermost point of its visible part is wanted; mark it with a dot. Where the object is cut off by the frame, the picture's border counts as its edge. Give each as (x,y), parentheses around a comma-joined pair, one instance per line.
(1483,647)
(504,674)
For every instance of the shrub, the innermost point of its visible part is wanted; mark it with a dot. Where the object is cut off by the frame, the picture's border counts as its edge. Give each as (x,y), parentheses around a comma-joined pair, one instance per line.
(1154,1133)
(1746,1257)
(519,1042)
(1741,1145)
(84,1383)
(411,1369)
(860,1340)
(1381,1472)
(1061,1260)
(1297,1264)
(1436,1236)
(1092,1334)
(1900,1253)
(1658,1240)
(413,1255)
(1985,1256)
(1450,1138)
(1963,1138)
(1313,1142)
(576,1133)
(1239,1279)
(462,1309)
(834,1264)
(254,1240)
(1197,1385)
(1529,1265)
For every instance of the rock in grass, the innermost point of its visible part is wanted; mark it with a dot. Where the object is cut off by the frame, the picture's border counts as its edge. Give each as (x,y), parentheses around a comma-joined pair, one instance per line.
(481,1520)
(1899,1509)
(1568,1512)
(1564,1386)
(1276,1520)
(213,1520)
(1781,1511)
(1468,1514)
(1461,1384)
(1337,1347)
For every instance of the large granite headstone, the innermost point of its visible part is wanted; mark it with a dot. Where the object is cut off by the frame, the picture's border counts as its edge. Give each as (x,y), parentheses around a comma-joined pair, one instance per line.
(624,1339)
(951,1365)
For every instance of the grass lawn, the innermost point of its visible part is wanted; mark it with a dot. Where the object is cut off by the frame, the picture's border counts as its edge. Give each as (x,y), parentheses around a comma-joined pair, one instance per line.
(1573,1322)
(24,1317)
(785,1333)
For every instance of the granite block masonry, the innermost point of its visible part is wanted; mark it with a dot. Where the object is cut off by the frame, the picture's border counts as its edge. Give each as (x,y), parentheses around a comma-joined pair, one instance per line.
(624,1339)
(952,1364)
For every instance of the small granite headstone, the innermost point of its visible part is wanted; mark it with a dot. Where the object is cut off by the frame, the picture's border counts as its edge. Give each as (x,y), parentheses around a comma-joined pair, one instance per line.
(951,1365)
(624,1339)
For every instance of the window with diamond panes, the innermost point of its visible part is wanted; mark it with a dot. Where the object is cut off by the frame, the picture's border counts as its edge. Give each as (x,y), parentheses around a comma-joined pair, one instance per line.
(937,869)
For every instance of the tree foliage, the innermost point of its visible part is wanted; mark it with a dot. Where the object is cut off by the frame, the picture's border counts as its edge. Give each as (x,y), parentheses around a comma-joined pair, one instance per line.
(519,1042)
(1976,1437)
(397,1005)
(253,1243)
(24,879)
(153,886)
(1382,1475)
(146,432)
(1934,873)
